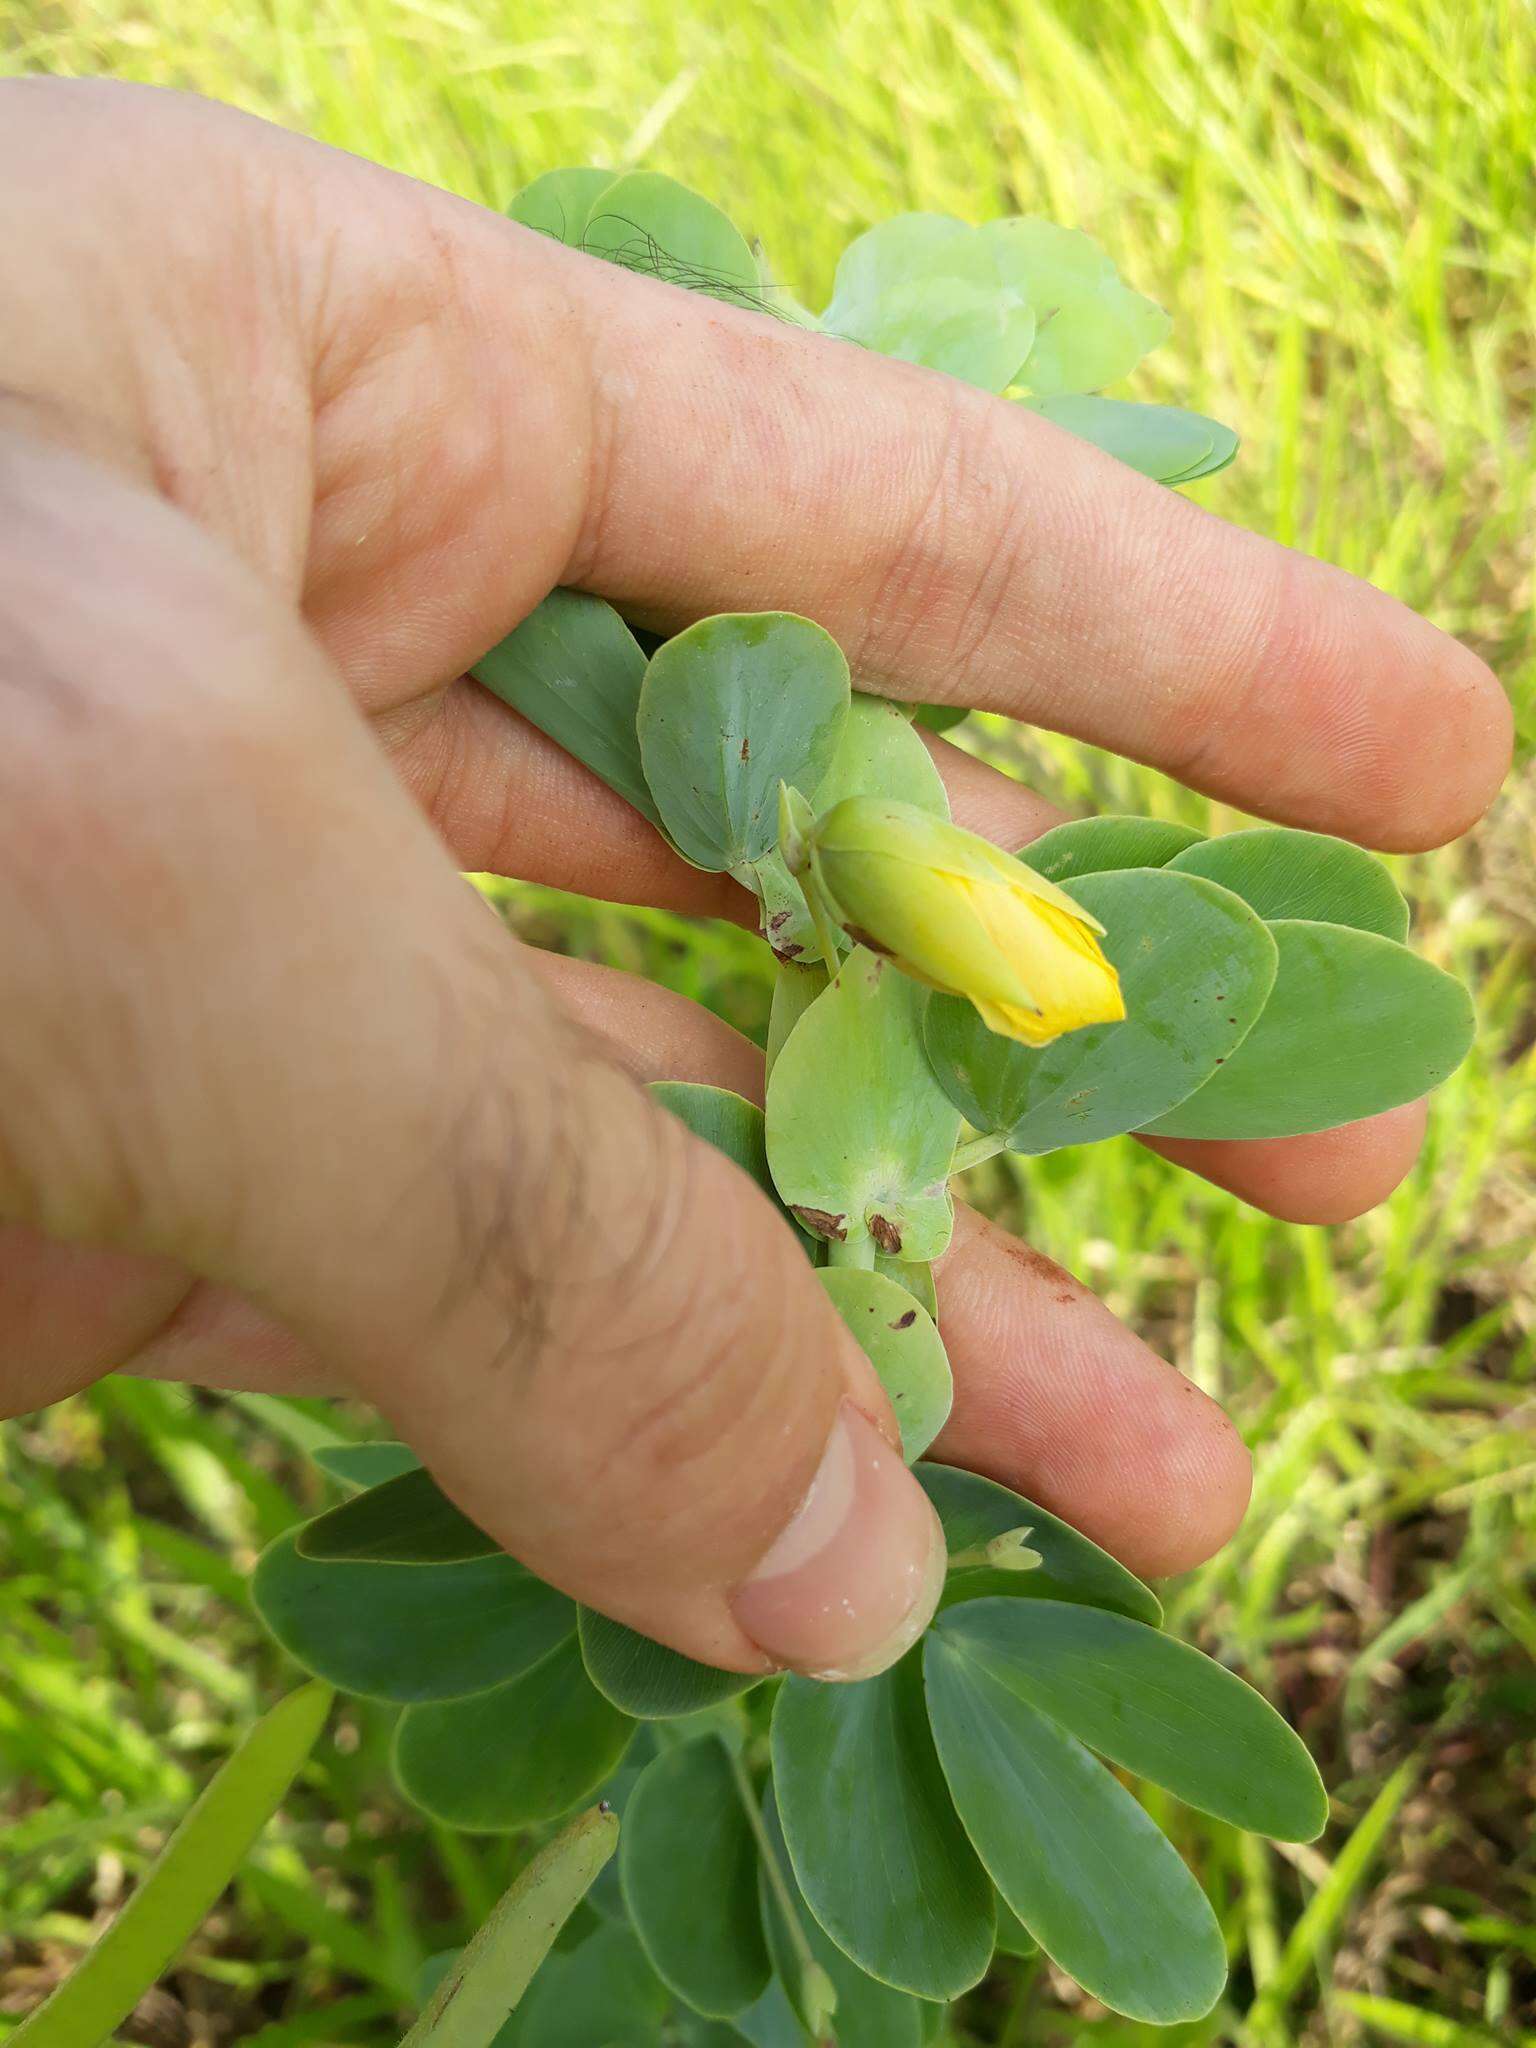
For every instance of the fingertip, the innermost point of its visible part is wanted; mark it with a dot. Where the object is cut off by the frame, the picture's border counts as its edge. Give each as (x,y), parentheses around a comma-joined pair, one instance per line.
(1327,1177)
(1197,1467)
(1361,717)
(1443,756)
(854,1577)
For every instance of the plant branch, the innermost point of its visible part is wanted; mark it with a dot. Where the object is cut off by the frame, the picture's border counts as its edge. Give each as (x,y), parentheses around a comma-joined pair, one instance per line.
(975,1150)
(778,1883)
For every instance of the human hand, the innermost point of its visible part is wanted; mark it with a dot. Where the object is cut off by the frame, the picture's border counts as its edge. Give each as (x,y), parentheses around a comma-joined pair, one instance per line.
(285,439)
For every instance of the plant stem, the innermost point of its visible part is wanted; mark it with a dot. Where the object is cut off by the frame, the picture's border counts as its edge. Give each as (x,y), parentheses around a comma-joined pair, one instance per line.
(826,929)
(778,1883)
(978,1149)
(855,1251)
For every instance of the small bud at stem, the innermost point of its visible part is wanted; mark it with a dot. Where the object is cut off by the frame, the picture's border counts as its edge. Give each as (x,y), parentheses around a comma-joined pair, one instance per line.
(1009,1552)
(797,821)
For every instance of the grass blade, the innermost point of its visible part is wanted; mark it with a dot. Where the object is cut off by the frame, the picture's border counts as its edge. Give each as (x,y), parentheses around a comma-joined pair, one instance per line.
(1326,1908)
(473,2000)
(186,1878)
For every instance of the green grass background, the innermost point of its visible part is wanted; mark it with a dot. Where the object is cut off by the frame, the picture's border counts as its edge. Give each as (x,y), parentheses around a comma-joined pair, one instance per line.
(1335,199)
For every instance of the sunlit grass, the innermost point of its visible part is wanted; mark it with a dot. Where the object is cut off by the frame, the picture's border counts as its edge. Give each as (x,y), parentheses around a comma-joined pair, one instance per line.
(1336,203)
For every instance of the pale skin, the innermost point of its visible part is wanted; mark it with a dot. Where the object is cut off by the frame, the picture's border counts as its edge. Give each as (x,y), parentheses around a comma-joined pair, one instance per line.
(286,441)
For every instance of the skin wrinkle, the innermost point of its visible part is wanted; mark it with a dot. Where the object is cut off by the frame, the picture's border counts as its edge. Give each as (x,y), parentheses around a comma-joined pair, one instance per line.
(985,611)
(903,595)
(606,397)
(709,1422)
(541,1251)
(483,1160)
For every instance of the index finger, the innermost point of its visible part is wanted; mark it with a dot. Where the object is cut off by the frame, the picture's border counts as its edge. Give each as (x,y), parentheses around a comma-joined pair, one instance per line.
(967,550)
(490,413)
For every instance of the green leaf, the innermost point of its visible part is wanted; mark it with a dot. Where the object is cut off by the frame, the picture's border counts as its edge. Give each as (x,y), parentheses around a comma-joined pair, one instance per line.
(916,1276)
(1078,1860)
(407,1520)
(605,1898)
(1013,1937)
(974,1511)
(470,2003)
(574,669)
(728,710)
(690,2030)
(182,1885)
(940,717)
(650,223)
(883,260)
(409,1632)
(603,1994)
(860,1135)
(1093,330)
(1153,1705)
(1171,446)
(688,1869)
(772,2022)
(363,1465)
(928,289)
(1196,967)
(1355,1025)
(880,754)
(647,1679)
(783,918)
(1092,846)
(733,1126)
(898,1337)
(794,991)
(1284,873)
(1222,455)
(558,203)
(879,1855)
(725,1120)
(869,2014)
(522,1752)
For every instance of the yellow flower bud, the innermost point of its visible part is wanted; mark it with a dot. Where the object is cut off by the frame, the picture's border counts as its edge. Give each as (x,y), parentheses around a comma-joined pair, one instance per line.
(958,913)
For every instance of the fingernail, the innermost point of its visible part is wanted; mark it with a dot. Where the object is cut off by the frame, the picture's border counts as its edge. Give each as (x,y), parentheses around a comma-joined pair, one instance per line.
(852,1582)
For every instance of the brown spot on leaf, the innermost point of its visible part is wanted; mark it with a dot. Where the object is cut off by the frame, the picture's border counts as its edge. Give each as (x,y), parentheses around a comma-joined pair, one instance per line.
(746,748)
(885,1234)
(905,1322)
(822,1222)
(779,919)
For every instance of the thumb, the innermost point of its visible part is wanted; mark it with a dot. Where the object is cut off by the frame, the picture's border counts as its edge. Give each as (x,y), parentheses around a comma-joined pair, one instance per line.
(257,1024)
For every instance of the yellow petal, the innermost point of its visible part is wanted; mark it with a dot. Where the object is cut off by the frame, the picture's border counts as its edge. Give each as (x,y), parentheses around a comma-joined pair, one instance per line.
(1057,964)
(1012,1020)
